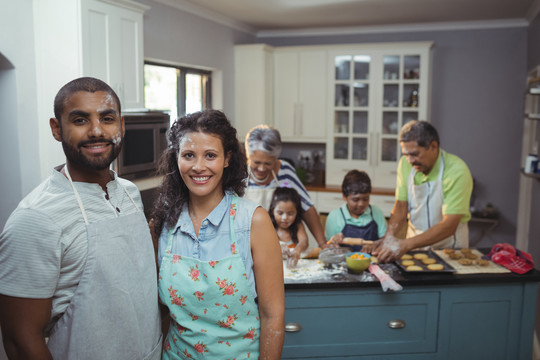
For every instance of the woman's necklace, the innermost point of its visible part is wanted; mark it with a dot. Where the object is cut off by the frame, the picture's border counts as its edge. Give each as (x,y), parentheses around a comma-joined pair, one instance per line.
(257,180)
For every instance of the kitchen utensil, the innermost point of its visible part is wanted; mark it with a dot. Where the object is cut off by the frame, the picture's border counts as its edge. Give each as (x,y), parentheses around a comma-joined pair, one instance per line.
(331,256)
(356,241)
(387,283)
(358,265)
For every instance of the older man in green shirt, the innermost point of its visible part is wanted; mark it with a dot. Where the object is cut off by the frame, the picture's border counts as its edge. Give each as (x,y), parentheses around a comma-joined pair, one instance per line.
(433,193)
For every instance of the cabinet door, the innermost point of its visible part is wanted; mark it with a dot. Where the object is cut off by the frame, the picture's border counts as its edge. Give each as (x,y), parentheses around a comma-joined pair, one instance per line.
(286,103)
(350,134)
(113,49)
(300,88)
(341,323)
(253,68)
(376,90)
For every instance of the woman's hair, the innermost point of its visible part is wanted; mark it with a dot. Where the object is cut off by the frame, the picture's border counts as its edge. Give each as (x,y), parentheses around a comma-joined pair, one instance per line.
(420,131)
(173,192)
(287,194)
(356,182)
(265,139)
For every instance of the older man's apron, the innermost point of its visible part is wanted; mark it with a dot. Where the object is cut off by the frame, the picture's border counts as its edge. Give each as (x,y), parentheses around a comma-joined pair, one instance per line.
(114,311)
(214,311)
(261,195)
(425,210)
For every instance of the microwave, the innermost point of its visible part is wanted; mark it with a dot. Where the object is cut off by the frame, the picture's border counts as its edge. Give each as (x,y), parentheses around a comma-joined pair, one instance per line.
(144,142)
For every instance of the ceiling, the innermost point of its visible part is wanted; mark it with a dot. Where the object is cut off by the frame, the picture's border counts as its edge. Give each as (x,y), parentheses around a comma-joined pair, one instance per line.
(286,15)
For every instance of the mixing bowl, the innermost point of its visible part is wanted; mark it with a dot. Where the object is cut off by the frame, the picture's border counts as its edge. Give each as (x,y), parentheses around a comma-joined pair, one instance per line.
(357,262)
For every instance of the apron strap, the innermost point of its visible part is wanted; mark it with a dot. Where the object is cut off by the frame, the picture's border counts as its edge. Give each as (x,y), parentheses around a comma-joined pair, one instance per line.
(232,215)
(79,201)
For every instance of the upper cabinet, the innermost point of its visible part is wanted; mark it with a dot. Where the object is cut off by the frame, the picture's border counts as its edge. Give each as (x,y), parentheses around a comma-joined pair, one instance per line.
(112,47)
(374,90)
(300,93)
(253,78)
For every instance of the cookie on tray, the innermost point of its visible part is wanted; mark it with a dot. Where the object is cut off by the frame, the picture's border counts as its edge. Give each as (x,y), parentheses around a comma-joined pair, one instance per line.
(406,257)
(435,267)
(481,262)
(455,256)
(429,261)
(414,268)
(420,256)
(466,262)
(407,262)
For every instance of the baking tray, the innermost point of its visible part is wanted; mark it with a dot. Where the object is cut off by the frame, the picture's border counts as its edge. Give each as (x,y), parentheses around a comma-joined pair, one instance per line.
(430,253)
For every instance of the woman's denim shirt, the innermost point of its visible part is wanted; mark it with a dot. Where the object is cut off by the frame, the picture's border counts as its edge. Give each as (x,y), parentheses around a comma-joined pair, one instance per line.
(214,242)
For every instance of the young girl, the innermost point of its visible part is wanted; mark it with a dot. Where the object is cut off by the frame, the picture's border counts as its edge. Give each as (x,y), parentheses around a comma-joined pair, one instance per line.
(221,274)
(286,214)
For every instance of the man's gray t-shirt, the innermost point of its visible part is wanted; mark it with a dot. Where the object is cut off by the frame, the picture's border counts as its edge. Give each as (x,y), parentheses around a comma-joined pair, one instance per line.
(43,245)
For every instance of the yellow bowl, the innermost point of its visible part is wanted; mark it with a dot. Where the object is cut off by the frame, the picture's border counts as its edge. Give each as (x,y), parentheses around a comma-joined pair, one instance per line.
(357,262)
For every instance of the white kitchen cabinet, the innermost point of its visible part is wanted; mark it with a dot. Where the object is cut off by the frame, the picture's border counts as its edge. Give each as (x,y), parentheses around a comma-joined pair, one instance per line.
(374,90)
(300,93)
(112,47)
(253,82)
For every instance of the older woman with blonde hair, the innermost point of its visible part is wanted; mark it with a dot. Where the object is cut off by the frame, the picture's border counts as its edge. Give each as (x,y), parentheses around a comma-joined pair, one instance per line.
(267,172)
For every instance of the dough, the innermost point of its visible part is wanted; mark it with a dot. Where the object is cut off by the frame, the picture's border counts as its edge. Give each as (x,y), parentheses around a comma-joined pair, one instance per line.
(429,260)
(407,262)
(455,256)
(406,257)
(435,267)
(420,256)
(414,268)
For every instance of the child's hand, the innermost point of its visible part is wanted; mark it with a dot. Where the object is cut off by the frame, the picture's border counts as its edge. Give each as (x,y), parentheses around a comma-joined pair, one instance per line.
(336,240)
(292,258)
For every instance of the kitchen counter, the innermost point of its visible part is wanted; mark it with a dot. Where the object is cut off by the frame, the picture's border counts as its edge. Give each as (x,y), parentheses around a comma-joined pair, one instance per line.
(339,278)
(335,314)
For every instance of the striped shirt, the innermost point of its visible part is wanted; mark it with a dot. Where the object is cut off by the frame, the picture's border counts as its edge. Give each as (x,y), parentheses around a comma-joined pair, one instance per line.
(43,245)
(287,178)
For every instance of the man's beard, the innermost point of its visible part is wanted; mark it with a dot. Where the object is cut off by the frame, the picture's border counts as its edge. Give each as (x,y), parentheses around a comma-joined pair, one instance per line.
(76,157)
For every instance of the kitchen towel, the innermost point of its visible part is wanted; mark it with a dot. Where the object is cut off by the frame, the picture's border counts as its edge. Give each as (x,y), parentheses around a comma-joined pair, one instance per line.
(511,258)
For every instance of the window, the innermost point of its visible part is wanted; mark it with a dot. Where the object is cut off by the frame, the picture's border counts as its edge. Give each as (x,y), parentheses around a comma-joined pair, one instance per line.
(176,89)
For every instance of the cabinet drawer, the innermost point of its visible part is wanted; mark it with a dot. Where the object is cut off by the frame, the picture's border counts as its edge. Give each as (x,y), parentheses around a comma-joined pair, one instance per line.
(356,322)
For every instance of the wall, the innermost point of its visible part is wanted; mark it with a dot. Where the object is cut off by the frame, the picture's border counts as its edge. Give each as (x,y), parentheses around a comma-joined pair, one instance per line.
(532,61)
(18,105)
(477,105)
(175,36)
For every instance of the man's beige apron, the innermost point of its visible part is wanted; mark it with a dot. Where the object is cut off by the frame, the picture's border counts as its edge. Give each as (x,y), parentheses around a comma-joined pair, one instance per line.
(425,210)
(114,311)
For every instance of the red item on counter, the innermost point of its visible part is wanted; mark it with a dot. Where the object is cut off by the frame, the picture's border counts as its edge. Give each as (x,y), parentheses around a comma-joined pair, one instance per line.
(511,258)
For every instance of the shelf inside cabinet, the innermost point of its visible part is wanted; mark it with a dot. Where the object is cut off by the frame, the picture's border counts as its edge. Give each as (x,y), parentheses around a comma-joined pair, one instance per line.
(533,116)
(531,175)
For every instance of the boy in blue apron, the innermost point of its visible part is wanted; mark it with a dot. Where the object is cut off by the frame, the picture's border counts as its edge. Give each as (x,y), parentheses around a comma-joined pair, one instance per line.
(357,218)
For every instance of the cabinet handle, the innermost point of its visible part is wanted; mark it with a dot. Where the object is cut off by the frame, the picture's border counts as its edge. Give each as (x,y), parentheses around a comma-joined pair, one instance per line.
(298,119)
(396,324)
(293,327)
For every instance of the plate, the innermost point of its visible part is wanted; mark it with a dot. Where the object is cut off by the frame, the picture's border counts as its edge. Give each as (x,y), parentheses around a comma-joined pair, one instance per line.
(430,254)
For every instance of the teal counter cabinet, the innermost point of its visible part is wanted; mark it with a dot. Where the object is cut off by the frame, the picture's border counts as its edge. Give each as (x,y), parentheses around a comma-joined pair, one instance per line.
(449,317)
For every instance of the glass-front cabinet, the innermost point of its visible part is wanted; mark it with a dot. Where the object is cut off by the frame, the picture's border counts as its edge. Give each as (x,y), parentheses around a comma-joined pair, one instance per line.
(375,90)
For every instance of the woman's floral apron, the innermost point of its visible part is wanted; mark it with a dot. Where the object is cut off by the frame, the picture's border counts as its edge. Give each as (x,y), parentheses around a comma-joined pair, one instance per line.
(213,311)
